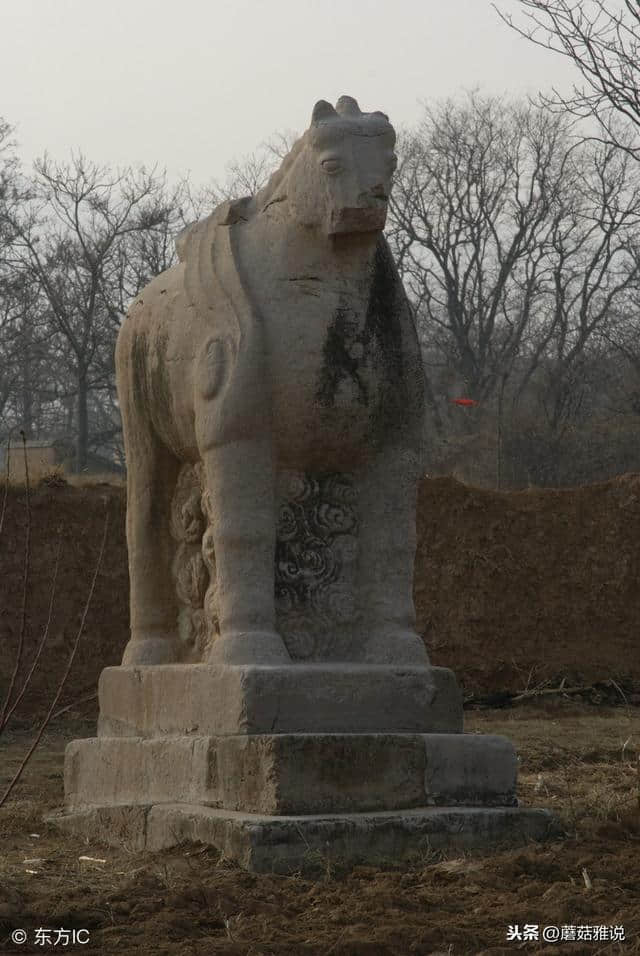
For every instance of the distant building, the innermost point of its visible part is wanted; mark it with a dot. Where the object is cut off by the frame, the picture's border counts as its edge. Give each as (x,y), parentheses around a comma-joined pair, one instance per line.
(97,465)
(43,456)
(49,454)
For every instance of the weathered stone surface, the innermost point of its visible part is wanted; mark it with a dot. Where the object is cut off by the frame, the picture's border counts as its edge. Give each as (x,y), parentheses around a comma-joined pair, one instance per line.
(293,773)
(306,698)
(311,773)
(134,770)
(286,844)
(121,826)
(474,769)
(272,399)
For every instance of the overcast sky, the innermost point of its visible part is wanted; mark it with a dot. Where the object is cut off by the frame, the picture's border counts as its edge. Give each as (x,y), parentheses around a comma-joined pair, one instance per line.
(191,84)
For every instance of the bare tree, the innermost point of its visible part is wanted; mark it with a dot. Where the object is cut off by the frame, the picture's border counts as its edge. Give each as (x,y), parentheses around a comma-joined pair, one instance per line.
(602,39)
(470,219)
(517,245)
(16,335)
(70,241)
(11,193)
(26,346)
(623,335)
(594,265)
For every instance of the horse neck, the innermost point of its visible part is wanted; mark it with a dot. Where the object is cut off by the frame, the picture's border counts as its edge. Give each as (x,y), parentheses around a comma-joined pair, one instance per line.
(310,247)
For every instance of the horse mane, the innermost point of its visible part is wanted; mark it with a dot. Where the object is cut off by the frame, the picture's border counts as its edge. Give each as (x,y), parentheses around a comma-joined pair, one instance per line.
(272,187)
(347,112)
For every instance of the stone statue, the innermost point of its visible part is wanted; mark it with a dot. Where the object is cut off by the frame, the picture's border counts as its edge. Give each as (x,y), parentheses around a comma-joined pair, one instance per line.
(272,401)
(271,392)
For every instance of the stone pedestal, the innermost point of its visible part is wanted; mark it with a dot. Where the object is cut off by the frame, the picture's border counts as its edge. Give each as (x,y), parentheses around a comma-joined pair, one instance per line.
(283,768)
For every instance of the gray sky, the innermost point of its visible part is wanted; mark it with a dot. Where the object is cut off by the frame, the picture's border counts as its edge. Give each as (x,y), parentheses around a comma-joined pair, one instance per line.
(190,84)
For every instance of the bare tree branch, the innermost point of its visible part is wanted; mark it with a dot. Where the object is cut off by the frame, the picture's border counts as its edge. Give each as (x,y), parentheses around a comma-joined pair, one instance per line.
(602,39)
(25,591)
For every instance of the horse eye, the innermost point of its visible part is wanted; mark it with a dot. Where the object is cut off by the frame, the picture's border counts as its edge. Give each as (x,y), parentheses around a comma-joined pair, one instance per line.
(331,165)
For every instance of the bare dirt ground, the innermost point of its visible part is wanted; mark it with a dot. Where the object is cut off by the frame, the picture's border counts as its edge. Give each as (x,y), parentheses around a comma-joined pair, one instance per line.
(580,760)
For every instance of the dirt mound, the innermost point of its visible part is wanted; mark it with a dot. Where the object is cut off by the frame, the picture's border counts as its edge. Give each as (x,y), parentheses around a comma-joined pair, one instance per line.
(511,587)
(72,520)
(522,586)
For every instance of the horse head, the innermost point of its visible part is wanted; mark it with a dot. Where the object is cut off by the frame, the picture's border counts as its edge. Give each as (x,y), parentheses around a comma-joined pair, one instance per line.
(337,177)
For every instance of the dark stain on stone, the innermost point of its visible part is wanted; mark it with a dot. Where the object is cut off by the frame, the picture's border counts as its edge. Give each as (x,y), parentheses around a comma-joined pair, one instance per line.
(160,384)
(151,386)
(383,341)
(371,353)
(139,370)
(343,355)
(382,330)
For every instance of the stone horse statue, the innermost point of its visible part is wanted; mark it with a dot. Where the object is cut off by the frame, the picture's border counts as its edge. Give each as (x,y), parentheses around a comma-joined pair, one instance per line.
(281,344)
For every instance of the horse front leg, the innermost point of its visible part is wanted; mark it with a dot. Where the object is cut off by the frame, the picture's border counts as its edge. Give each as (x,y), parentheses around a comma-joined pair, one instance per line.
(240,482)
(387,545)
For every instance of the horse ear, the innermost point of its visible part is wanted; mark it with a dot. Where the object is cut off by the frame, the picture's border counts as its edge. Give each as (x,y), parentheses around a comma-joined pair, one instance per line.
(347,106)
(322,111)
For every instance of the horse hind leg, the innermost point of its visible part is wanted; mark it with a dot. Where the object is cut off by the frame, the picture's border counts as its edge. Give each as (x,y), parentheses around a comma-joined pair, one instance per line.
(152,473)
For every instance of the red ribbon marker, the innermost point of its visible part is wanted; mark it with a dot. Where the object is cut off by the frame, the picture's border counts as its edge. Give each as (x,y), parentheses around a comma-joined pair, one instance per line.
(465,402)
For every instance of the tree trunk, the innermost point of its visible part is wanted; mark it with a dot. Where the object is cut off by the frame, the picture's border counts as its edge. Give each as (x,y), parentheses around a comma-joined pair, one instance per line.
(27,392)
(82,439)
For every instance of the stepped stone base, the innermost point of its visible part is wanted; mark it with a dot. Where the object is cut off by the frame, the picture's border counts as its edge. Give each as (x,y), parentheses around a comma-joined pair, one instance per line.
(311,843)
(293,773)
(287,768)
(200,699)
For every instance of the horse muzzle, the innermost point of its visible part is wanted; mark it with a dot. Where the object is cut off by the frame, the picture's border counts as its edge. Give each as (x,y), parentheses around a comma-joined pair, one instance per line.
(367,218)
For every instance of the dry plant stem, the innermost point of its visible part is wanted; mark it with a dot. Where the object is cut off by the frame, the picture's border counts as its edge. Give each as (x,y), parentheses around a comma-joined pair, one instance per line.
(622,694)
(63,680)
(74,703)
(572,809)
(540,691)
(338,939)
(545,691)
(43,640)
(6,485)
(25,587)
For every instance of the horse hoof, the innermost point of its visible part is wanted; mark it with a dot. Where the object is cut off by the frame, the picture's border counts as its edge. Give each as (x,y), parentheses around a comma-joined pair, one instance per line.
(251,647)
(395,647)
(151,650)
